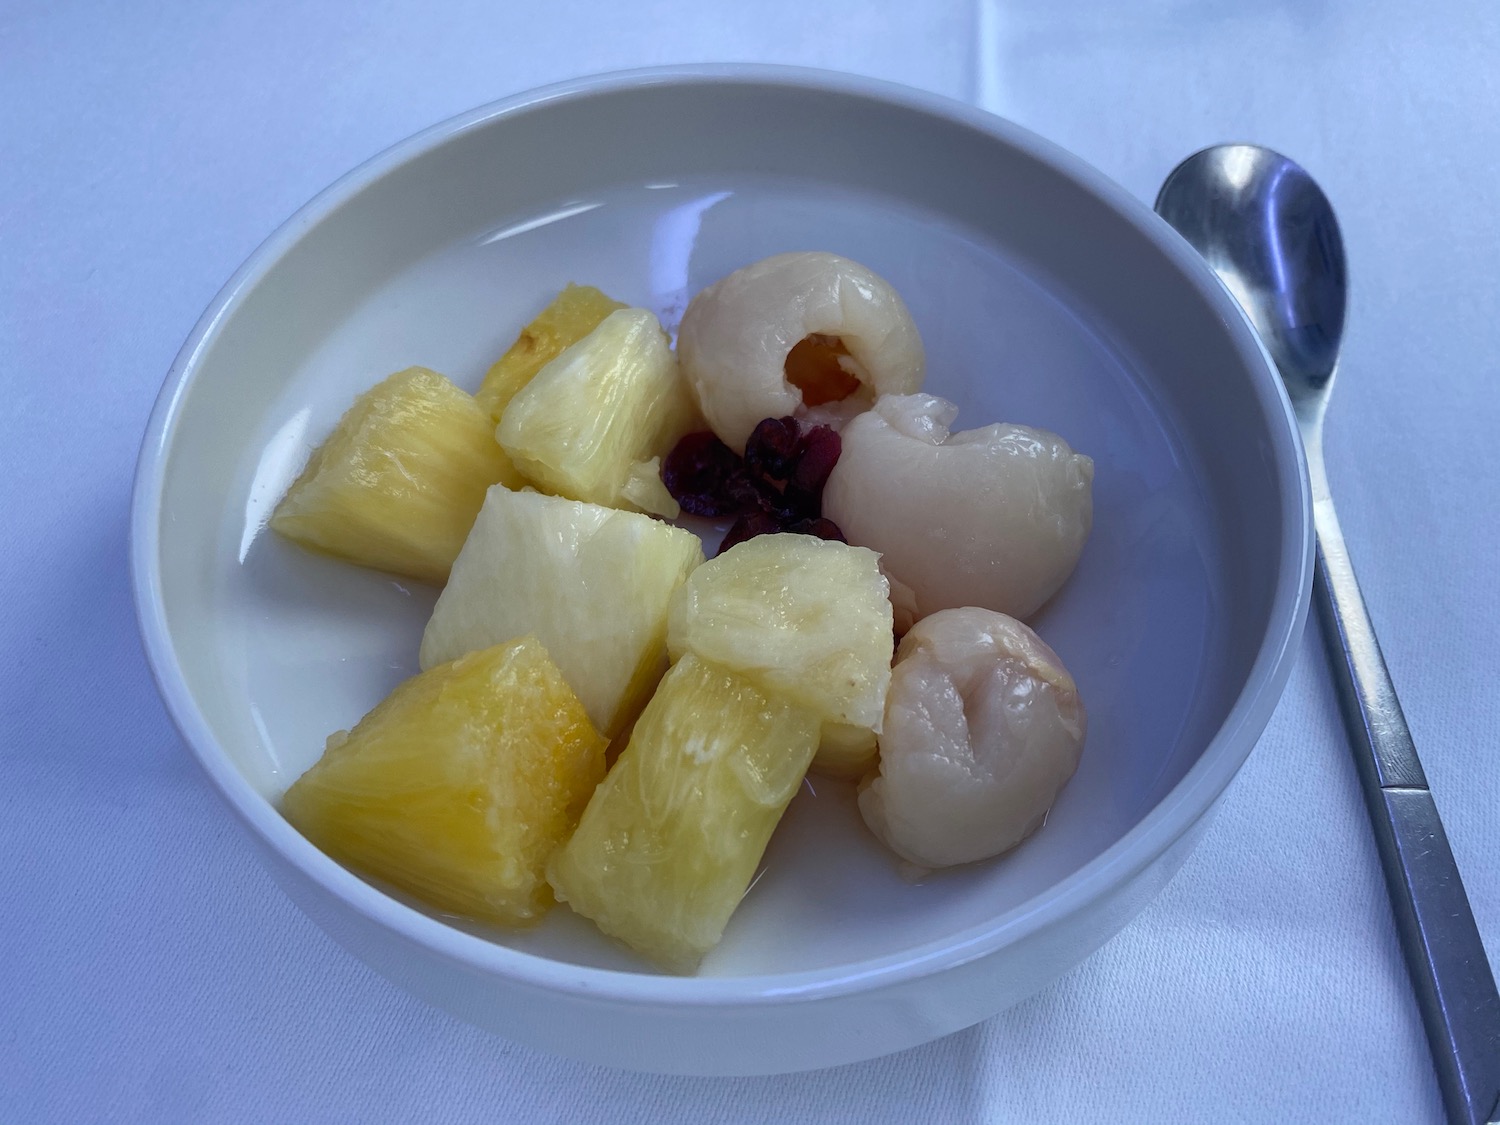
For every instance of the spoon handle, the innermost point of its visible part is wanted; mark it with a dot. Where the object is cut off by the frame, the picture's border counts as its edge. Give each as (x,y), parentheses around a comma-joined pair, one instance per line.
(1451,977)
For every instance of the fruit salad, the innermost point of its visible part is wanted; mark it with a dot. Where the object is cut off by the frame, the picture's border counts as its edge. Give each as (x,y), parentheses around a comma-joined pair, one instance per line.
(609,718)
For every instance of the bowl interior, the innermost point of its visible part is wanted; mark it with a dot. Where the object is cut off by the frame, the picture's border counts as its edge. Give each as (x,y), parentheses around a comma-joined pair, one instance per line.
(1038,303)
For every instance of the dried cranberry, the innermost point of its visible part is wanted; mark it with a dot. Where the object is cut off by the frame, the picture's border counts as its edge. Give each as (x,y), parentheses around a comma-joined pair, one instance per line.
(818,453)
(772,450)
(762,496)
(822,527)
(747,493)
(777,486)
(749,526)
(798,504)
(699,473)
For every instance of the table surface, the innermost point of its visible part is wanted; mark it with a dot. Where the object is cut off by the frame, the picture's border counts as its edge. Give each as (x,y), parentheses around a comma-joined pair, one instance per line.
(153,973)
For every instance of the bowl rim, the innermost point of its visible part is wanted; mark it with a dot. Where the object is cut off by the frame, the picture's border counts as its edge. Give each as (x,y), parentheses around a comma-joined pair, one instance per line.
(1132,853)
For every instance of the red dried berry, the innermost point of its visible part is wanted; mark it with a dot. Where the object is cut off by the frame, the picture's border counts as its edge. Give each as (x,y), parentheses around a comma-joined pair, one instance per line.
(818,453)
(700,473)
(749,526)
(762,496)
(777,486)
(772,449)
(746,493)
(797,504)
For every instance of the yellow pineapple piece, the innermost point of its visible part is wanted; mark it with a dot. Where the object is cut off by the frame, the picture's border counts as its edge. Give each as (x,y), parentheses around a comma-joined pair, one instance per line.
(398,483)
(670,841)
(572,315)
(591,583)
(846,751)
(645,490)
(459,786)
(589,423)
(803,619)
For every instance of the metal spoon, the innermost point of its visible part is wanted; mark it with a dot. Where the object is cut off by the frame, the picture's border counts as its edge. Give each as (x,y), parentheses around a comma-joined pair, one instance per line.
(1268,231)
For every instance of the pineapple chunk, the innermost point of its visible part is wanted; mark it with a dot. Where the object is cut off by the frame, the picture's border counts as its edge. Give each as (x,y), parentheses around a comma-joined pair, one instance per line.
(572,315)
(670,841)
(592,584)
(398,483)
(801,618)
(846,751)
(646,491)
(585,422)
(460,785)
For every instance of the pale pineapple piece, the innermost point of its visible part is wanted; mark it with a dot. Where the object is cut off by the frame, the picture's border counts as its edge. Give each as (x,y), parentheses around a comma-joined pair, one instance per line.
(670,841)
(846,751)
(398,483)
(644,490)
(592,584)
(459,786)
(586,422)
(802,618)
(572,315)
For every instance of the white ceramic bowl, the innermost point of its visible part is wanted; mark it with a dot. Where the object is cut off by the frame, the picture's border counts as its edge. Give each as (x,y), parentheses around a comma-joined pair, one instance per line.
(1045,295)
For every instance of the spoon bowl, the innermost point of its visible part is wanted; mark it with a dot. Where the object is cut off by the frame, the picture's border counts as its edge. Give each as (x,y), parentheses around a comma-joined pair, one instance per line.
(1266,228)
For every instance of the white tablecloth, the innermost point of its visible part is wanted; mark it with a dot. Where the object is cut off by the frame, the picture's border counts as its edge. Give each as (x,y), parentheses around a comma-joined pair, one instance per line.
(151,972)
